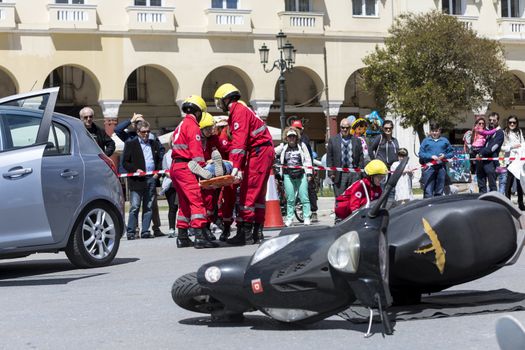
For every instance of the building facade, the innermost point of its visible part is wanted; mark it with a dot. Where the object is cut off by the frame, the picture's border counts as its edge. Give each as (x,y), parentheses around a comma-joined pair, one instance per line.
(146,56)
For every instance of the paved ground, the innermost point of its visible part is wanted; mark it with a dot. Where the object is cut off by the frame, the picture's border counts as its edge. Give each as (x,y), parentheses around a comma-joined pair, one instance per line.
(48,304)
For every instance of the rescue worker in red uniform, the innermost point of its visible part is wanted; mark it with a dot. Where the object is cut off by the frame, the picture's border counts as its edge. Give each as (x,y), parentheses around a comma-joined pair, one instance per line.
(252,156)
(361,192)
(210,143)
(187,146)
(228,193)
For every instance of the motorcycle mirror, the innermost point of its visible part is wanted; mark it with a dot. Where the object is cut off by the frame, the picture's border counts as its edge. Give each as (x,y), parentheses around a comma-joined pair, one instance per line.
(390,185)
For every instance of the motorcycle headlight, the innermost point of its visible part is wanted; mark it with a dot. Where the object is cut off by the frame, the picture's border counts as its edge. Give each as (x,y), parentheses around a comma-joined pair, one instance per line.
(271,246)
(289,315)
(343,254)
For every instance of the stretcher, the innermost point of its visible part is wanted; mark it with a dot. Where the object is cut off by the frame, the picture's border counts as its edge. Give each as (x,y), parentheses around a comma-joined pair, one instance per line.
(217,182)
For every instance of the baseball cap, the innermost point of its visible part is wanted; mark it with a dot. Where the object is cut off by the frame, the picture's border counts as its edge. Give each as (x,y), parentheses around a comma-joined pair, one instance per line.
(297,124)
(291,132)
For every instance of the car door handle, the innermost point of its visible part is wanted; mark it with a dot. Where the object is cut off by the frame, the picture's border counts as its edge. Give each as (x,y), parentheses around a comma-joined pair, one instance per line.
(69,174)
(17,172)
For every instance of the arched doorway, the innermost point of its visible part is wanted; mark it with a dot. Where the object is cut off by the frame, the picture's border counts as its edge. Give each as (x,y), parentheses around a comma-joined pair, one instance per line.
(222,75)
(150,91)
(78,88)
(8,86)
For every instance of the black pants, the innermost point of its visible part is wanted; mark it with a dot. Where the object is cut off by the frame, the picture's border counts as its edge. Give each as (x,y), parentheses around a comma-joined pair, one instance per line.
(312,195)
(508,188)
(171,196)
(486,171)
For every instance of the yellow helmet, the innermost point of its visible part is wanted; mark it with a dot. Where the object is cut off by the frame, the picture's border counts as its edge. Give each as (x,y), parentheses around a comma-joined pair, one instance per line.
(376,167)
(226,91)
(192,103)
(206,120)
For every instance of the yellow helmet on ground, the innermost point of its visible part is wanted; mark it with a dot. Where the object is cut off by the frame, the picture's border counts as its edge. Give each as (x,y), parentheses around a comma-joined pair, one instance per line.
(376,167)
(193,103)
(206,120)
(226,91)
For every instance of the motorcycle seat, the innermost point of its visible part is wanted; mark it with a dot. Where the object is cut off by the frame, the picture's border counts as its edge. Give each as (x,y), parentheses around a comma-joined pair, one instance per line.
(499,198)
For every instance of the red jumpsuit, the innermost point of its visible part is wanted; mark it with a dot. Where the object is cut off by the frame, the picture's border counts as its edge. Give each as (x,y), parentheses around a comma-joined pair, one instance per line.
(186,146)
(227,200)
(252,153)
(210,196)
(359,194)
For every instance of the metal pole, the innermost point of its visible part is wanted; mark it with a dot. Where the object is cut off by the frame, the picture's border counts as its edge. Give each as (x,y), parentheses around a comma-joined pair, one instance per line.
(281,97)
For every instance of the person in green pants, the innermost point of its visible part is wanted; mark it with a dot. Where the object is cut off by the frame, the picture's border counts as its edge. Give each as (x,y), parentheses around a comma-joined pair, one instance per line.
(293,152)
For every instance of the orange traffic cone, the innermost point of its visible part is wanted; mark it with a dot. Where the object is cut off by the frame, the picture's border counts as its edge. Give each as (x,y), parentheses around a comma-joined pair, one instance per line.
(272,217)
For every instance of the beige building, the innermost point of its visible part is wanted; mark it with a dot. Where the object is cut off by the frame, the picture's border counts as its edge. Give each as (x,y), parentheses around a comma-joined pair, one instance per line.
(146,56)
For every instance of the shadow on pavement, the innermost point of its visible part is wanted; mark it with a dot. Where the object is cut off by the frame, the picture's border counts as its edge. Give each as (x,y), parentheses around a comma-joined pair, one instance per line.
(14,274)
(262,323)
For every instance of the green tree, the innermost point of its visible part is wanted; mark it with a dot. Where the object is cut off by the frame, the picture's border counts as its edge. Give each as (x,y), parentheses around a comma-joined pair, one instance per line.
(434,68)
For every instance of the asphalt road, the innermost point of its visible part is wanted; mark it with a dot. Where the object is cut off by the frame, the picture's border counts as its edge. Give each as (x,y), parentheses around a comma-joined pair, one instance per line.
(48,304)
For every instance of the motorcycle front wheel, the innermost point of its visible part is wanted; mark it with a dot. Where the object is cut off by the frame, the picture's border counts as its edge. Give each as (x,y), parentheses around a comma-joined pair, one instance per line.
(188,294)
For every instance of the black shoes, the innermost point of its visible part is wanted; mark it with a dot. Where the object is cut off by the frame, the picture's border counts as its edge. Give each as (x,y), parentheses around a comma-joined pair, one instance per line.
(201,239)
(258,235)
(147,235)
(131,237)
(244,234)
(159,233)
(183,241)
(225,232)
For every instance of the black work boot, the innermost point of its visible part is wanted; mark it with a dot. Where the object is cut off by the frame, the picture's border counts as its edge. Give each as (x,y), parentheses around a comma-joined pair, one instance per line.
(183,241)
(258,235)
(201,241)
(225,232)
(244,234)
(207,233)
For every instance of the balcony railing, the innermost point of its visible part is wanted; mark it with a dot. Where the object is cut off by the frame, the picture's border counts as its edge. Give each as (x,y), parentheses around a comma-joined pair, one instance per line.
(151,18)
(229,20)
(468,22)
(302,22)
(511,28)
(7,15)
(65,16)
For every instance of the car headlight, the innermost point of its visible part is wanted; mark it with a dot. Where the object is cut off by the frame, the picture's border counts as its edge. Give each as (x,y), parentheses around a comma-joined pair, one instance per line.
(271,246)
(343,254)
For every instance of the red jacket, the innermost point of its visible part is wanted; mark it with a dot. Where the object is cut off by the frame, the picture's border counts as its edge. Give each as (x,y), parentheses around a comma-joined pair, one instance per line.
(225,142)
(359,194)
(248,131)
(187,141)
(210,144)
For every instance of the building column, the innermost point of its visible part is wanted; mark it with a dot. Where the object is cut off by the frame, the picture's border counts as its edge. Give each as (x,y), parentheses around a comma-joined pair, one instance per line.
(110,111)
(331,111)
(261,107)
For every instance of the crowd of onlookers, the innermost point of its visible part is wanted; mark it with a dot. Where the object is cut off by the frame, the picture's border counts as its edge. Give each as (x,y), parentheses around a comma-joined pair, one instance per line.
(364,156)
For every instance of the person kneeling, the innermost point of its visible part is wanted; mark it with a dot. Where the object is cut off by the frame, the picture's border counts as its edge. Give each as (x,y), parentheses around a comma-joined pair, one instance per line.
(361,192)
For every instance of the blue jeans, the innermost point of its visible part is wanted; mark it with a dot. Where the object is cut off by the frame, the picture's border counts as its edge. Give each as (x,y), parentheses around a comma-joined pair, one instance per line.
(434,181)
(145,197)
(502,182)
(228,167)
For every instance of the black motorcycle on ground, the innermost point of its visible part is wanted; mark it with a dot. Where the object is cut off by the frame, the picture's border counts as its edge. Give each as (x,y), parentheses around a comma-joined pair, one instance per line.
(373,258)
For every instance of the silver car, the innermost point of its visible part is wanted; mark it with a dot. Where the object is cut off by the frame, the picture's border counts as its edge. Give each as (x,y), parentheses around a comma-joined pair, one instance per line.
(58,190)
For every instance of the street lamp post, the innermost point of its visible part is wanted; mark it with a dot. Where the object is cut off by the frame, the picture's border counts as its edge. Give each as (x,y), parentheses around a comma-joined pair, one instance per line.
(284,63)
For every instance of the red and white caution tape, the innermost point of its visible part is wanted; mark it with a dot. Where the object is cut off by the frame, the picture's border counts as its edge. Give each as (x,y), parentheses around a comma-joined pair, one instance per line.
(142,173)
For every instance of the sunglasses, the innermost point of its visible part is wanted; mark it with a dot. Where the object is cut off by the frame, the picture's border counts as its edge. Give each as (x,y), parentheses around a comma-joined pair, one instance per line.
(481,123)
(513,123)
(144,132)
(345,127)
(387,129)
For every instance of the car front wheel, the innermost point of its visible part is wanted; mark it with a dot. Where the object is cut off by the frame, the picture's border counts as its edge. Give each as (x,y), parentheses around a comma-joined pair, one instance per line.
(96,237)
